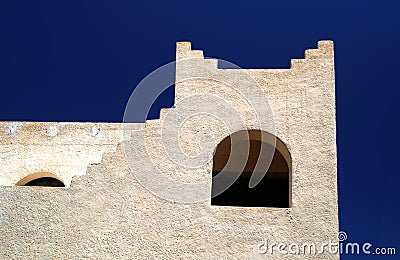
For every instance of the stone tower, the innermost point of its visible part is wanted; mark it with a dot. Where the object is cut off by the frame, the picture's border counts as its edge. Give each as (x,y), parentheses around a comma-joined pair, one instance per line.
(244,161)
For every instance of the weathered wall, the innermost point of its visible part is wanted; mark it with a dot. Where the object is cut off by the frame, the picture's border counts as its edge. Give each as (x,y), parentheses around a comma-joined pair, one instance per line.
(122,207)
(64,149)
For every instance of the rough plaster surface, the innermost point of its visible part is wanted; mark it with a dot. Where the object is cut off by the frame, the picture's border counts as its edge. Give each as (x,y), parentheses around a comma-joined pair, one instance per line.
(110,211)
(64,149)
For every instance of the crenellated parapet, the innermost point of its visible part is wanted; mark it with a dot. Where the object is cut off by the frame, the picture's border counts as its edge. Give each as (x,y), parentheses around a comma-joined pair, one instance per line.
(64,149)
(152,190)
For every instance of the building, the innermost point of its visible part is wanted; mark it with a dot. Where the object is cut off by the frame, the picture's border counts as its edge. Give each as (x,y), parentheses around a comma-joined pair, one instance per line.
(178,186)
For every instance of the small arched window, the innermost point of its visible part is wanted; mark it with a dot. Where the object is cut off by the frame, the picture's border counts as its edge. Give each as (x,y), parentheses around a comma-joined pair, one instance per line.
(236,164)
(44,179)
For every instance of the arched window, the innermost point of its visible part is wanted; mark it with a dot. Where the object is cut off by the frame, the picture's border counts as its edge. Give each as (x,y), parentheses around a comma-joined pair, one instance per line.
(248,158)
(41,179)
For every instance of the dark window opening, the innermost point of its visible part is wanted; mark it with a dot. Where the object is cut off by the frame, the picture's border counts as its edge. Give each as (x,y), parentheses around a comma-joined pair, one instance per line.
(45,181)
(273,190)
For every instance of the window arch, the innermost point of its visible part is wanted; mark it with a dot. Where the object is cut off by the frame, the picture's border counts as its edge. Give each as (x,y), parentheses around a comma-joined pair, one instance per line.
(45,179)
(238,157)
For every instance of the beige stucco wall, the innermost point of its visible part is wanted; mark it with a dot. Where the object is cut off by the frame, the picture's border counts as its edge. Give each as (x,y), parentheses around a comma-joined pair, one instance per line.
(64,149)
(119,205)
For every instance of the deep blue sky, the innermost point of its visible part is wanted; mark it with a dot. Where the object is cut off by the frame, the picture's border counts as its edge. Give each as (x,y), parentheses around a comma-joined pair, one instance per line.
(79,60)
